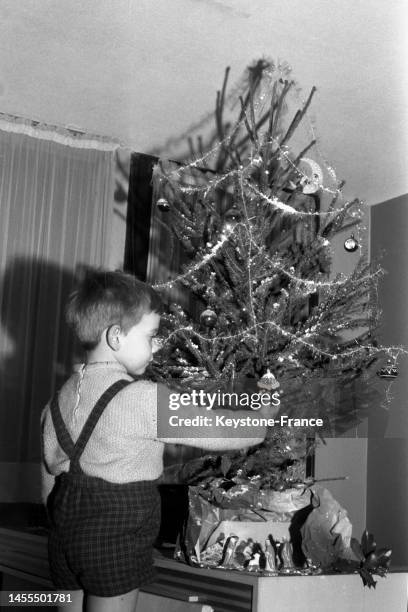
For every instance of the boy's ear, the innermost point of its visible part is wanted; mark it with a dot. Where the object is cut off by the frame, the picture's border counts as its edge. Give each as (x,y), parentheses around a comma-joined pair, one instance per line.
(113,337)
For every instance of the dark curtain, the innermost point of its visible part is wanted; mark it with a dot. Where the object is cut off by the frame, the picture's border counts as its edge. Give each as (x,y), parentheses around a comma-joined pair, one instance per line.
(139,214)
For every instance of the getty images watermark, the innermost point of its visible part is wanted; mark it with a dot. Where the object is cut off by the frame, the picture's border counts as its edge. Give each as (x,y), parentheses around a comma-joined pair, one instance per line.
(222,399)
(213,414)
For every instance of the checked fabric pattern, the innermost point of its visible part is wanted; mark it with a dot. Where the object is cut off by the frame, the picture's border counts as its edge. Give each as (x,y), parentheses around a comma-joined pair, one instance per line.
(102,533)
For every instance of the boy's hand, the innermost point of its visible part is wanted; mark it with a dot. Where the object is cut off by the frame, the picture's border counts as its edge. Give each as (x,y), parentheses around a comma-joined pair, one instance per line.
(267,412)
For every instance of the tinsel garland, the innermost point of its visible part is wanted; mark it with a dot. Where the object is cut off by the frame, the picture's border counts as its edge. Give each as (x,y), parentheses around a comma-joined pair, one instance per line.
(256,230)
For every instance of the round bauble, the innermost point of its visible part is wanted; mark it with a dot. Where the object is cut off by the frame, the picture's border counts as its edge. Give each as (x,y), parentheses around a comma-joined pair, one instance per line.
(208,318)
(231,218)
(163,205)
(351,244)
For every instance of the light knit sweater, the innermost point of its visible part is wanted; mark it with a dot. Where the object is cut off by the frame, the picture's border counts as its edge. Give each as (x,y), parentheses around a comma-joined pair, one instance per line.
(124,446)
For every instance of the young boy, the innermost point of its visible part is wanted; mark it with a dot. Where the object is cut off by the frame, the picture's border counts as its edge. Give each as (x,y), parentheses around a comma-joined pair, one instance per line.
(101,453)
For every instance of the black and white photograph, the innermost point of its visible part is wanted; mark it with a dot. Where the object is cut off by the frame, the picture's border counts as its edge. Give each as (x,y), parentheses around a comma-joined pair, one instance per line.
(204,305)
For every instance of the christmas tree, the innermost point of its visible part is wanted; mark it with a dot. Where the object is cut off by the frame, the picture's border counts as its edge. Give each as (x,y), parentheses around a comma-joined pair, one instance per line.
(253,215)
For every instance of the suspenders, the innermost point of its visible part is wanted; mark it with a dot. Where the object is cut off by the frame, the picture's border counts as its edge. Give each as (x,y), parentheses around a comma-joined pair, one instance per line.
(74,451)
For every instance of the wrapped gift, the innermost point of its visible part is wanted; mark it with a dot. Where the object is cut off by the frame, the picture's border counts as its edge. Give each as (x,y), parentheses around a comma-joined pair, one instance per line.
(241,514)
(239,526)
(326,532)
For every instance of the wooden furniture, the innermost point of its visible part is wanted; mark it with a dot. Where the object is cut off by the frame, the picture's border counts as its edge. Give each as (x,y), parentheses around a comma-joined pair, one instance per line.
(23,561)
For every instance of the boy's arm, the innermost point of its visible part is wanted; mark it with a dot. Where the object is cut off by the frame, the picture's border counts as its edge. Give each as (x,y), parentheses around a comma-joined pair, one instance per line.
(221,429)
(47,479)
(47,483)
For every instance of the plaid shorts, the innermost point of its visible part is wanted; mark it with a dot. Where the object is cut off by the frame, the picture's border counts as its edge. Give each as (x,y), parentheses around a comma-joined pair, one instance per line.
(102,534)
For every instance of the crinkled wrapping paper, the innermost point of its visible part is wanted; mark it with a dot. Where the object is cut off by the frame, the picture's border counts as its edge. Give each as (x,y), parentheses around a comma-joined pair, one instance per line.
(219,510)
(203,518)
(215,511)
(284,502)
(326,533)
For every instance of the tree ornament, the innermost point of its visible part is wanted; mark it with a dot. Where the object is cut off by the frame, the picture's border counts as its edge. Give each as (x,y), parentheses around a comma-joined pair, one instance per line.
(351,244)
(312,178)
(389,371)
(257,161)
(231,218)
(268,381)
(163,205)
(208,318)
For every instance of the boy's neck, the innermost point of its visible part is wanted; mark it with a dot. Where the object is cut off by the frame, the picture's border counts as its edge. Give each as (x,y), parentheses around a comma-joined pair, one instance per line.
(100,354)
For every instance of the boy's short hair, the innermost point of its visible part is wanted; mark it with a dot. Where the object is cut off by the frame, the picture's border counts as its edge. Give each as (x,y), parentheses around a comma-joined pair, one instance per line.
(104,298)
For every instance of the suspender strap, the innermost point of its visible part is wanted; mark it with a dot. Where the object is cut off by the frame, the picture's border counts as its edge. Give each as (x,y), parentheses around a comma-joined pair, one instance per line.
(74,451)
(93,418)
(63,437)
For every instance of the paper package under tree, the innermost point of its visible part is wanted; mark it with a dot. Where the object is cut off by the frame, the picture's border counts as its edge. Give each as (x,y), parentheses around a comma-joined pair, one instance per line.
(295,531)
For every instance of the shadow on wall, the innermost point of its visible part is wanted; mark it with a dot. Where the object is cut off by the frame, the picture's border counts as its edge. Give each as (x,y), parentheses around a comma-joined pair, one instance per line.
(37,351)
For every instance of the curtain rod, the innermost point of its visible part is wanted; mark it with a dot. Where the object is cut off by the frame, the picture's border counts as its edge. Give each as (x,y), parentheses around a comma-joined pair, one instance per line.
(70,136)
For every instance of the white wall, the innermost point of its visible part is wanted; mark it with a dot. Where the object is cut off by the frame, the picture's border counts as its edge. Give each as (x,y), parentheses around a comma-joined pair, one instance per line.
(143,70)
